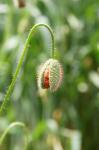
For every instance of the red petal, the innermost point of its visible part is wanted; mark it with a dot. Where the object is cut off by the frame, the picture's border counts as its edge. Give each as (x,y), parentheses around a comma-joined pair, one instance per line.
(46,78)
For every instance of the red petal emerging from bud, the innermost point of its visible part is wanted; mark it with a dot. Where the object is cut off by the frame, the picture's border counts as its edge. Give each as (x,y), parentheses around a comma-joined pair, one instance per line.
(50,75)
(46,78)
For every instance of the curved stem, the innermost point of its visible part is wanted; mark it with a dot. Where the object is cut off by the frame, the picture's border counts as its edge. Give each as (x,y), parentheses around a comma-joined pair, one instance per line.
(10,88)
(12,125)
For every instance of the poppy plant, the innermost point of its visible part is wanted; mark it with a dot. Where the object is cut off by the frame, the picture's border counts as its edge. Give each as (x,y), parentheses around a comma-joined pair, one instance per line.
(50,75)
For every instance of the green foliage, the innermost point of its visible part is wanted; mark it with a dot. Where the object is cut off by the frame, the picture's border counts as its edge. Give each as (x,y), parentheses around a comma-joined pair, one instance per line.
(71,113)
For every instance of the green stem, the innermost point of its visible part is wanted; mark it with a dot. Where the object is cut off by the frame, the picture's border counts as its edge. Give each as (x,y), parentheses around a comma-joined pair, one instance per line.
(11,86)
(8,129)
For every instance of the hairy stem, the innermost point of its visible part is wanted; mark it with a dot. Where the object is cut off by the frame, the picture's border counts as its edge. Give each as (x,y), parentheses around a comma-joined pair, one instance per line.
(11,86)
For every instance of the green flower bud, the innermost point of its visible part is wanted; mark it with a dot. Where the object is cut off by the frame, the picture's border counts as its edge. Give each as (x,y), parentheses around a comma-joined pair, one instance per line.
(50,75)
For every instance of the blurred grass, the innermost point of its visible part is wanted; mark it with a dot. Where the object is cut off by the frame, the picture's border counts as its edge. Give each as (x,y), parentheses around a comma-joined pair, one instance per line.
(75,105)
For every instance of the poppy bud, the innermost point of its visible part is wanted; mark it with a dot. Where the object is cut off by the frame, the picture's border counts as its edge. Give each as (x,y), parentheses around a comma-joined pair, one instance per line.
(50,75)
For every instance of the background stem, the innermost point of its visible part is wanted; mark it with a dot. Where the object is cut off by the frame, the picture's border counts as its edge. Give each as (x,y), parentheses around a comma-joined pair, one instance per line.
(8,129)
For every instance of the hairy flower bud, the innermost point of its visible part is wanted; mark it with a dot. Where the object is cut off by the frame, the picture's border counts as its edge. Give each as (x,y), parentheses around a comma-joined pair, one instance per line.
(50,75)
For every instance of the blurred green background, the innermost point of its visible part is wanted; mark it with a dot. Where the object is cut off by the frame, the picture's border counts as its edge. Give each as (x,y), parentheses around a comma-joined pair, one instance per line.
(67,119)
